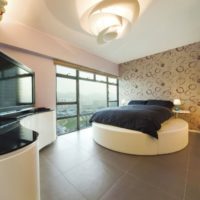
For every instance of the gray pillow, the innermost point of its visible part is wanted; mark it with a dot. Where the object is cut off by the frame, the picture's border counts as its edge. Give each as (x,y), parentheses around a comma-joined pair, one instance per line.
(137,102)
(164,103)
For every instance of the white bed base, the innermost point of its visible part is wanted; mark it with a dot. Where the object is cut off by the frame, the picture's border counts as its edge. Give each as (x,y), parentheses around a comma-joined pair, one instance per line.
(172,137)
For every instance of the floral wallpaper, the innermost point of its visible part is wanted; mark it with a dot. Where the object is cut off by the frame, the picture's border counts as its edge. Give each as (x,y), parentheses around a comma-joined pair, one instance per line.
(168,75)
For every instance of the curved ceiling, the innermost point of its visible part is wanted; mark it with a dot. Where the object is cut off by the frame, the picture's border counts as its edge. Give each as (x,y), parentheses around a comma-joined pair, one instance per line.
(162,25)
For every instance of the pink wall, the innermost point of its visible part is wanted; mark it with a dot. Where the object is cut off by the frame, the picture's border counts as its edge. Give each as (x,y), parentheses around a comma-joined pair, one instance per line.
(45,80)
(37,50)
(30,39)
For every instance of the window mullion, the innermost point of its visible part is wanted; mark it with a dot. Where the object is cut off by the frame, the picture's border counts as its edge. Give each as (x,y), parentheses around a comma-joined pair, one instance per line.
(78,99)
(117,92)
(107,92)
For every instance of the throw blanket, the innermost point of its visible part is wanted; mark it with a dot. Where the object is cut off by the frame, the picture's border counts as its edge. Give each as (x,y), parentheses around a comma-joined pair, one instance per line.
(144,118)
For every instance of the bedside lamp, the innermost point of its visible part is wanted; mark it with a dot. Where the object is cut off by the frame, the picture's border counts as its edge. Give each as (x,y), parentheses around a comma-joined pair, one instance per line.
(177,103)
(123,102)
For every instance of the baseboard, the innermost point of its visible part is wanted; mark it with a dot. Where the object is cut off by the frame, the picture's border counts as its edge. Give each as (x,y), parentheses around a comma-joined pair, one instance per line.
(194,131)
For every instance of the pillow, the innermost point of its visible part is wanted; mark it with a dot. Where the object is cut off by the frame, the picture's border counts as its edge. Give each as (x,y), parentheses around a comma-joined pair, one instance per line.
(165,103)
(137,102)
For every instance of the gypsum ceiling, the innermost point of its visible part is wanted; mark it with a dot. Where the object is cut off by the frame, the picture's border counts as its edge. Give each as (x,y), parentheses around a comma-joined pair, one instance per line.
(162,25)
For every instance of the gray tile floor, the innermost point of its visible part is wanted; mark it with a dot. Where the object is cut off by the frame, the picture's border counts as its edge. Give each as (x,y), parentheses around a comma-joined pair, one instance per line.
(76,168)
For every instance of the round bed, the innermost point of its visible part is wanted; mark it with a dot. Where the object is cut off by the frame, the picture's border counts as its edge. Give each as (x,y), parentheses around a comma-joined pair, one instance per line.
(172,137)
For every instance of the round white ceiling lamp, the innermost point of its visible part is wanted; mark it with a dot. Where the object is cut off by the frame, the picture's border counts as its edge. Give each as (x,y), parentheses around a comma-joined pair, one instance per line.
(3,3)
(109,19)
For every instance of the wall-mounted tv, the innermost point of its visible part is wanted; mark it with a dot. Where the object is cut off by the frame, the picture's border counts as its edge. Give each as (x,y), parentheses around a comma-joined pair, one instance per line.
(16,85)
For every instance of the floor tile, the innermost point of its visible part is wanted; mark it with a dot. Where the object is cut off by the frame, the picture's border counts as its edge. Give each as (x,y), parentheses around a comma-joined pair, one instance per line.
(130,188)
(83,139)
(193,184)
(76,168)
(161,172)
(193,178)
(119,160)
(67,158)
(59,145)
(53,184)
(93,178)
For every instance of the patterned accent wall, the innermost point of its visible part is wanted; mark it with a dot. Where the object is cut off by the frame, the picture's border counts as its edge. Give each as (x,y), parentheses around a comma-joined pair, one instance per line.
(168,75)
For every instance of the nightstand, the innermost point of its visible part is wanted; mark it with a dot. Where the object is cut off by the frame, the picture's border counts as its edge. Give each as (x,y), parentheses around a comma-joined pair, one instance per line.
(177,112)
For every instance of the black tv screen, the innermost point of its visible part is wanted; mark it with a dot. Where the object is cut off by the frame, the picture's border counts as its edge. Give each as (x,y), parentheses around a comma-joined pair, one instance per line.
(16,85)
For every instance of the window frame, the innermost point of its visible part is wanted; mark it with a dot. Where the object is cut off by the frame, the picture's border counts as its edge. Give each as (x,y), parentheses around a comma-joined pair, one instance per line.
(78,78)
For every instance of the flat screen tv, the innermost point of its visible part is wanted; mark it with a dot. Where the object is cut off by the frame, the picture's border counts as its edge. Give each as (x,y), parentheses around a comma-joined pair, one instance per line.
(16,85)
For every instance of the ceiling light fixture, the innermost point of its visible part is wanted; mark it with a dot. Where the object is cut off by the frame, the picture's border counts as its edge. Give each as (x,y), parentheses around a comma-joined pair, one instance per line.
(109,19)
(3,3)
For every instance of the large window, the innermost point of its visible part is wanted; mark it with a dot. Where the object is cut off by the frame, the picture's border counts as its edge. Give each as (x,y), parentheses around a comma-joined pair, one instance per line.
(93,96)
(81,93)
(68,92)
